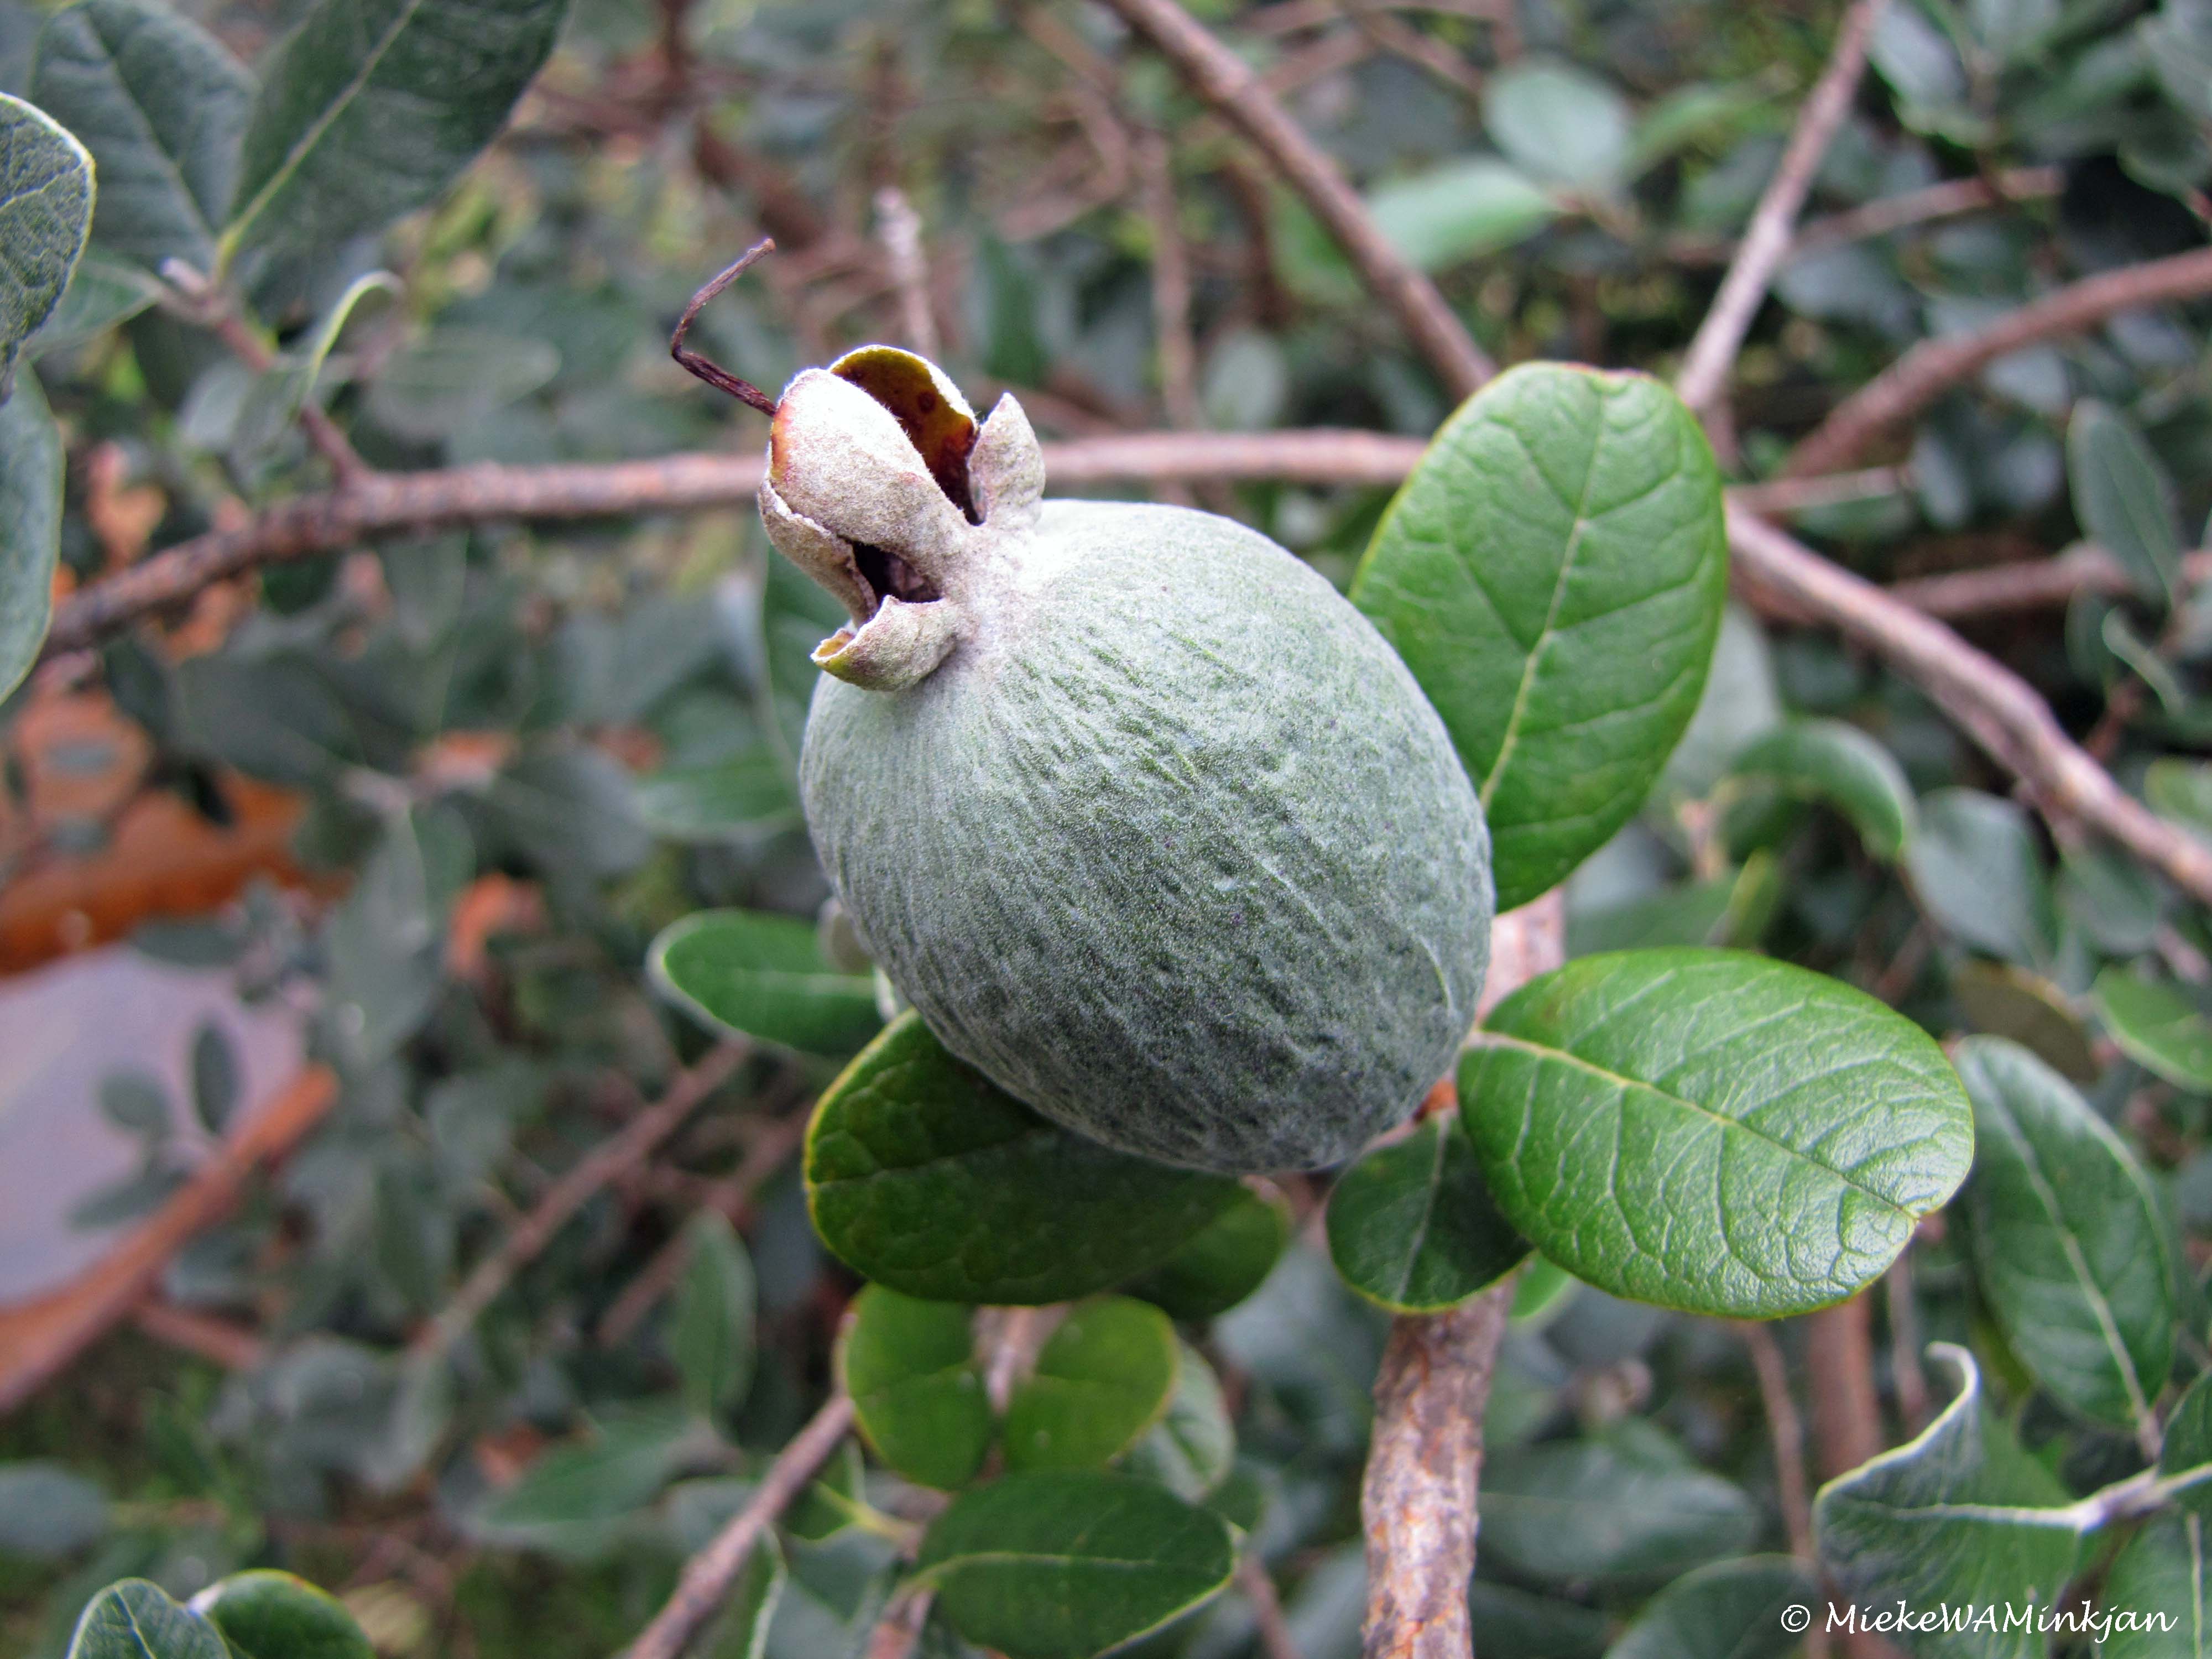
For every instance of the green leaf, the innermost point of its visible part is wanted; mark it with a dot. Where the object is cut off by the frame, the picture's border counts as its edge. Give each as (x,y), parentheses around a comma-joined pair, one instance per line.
(917,1395)
(1960,1514)
(1975,870)
(277,395)
(2163,1570)
(796,615)
(370,109)
(733,800)
(2124,499)
(1624,1507)
(1505,1620)
(161,105)
(264,1615)
(2185,1461)
(741,1631)
(1835,761)
(2181,790)
(135,1619)
(2001,1000)
(1559,122)
(136,1103)
(1553,574)
(2156,1026)
(1731,1607)
(1541,1291)
(1460,211)
(46,209)
(30,524)
(101,294)
(453,379)
(711,1333)
(922,1175)
(1222,1263)
(765,976)
(1412,1226)
(1066,1564)
(1712,1131)
(2069,1249)
(1729,909)
(215,1077)
(1102,1381)
(47,1512)
(574,1500)
(1191,1449)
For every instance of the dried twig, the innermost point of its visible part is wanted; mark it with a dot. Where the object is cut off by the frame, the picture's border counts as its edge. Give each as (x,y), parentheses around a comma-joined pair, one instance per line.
(1705,366)
(1424,1462)
(1998,709)
(708,1576)
(608,1162)
(1935,366)
(1227,82)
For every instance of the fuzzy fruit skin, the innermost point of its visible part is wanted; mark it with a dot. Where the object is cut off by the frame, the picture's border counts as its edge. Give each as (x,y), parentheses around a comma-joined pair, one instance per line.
(1170,847)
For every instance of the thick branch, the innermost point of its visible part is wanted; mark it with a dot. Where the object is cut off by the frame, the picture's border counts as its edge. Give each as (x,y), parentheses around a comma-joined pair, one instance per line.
(1424,1458)
(1934,367)
(1998,709)
(621,1152)
(1766,242)
(708,1575)
(1226,81)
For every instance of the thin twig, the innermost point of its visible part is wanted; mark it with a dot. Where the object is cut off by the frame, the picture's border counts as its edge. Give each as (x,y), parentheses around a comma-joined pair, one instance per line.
(1948,200)
(1417,1500)
(1178,353)
(1712,352)
(1998,709)
(1786,1429)
(895,1635)
(708,1576)
(1230,85)
(1906,1378)
(608,1162)
(1783,496)
(900,227)
(1935,366)
(1258,1585)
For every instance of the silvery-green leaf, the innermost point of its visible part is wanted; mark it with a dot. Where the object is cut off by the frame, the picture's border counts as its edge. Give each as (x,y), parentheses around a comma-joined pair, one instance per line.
(46,210)
(1712,1131)
(101,294)
(711,1327)
(30,527)
(2068,1246)
(134,1619)
(1975,869)
(1561,123)
(1628,1507)
(1460,210)
(2124,499)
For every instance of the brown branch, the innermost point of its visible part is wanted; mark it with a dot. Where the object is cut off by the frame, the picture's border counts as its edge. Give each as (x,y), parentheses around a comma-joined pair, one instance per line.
(1997,708)
(895,1636)
(900,227)
(1780,496)
(612,1159)
(223,1342)
(1767,240)
(1935,366)
(1786,1429)
(1178,353)
(708,1576)
(1906,1378)
(1227,82)
(1276,1641)
(1417,1500)
(1949,200)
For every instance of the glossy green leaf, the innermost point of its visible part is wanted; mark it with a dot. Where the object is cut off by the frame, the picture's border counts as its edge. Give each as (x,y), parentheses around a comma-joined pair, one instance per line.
(134,1619)
(1224,1262)
(30,527)
(1837,763)
(1618,1507)
(47,1512)
(2158,1027)
(1553,574)
(1460,211)
(2069,1249)
(1731,1608)
(922,1175)
(370,109)
(917,1395)
(45,211)
(765,976)
(711,1329)
(1192,1448)
(1559,122)
(1975,870)
(2124,499)
(732,801)
(1999,1000)
(1413,1227)
(1959,1515)
(1541,1291)
(265,1614)
(1712,1131)
(162,107)
(1102,1379)
(1066,1564)
(2158,1593)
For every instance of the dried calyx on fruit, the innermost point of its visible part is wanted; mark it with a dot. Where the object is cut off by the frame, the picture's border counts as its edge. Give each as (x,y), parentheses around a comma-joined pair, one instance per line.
(1147,822)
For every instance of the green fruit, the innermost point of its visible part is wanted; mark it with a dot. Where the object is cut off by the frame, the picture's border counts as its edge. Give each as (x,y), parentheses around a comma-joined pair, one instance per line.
(1148,824)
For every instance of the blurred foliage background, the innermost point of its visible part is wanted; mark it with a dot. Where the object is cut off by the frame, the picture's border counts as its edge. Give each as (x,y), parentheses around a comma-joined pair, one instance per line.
(433,798)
